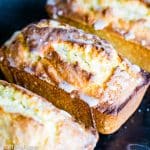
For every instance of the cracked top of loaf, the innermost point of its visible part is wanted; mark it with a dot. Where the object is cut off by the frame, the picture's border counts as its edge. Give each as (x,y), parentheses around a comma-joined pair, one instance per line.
(81,64)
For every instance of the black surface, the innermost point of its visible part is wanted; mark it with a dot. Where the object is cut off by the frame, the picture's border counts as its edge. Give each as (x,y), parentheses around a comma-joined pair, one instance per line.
(15,14)
(135,134)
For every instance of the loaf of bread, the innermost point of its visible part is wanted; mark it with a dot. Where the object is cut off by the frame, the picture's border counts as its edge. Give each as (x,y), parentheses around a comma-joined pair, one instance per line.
(129,18)
(28,121)
(76,71)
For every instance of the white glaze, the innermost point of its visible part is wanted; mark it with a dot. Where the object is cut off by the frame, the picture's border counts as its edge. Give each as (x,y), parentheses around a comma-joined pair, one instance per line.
(91,101)
(13,37)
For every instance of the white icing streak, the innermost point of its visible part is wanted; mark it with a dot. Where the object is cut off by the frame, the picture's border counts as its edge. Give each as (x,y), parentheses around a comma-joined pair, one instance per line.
(51,2)
(13,37)
(67,87)
(100,24)
(91,101)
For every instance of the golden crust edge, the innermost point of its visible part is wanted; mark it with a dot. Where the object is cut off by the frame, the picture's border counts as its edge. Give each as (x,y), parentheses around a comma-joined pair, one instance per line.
(108,124)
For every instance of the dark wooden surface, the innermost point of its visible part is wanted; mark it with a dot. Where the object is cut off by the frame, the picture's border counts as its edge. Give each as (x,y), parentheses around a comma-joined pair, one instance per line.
(135,134)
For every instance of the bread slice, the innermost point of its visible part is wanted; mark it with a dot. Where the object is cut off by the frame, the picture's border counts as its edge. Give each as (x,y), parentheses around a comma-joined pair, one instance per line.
(128,18)
(29,121)
(76,71)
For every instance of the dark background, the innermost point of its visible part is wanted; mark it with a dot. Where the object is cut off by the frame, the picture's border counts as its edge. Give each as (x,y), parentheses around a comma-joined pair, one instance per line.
(135,134)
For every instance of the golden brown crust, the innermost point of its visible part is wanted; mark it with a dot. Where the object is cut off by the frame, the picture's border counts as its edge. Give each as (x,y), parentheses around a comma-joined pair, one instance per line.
(39,125)
(50,56)
(57,96)
(107,123)
(147,2)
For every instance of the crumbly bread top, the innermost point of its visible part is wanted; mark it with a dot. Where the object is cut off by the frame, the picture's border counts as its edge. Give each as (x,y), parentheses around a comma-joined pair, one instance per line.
(82,64)
(30,121)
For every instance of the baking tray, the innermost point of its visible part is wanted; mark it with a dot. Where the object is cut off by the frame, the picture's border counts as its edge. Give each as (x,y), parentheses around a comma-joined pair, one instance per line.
(135,134)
